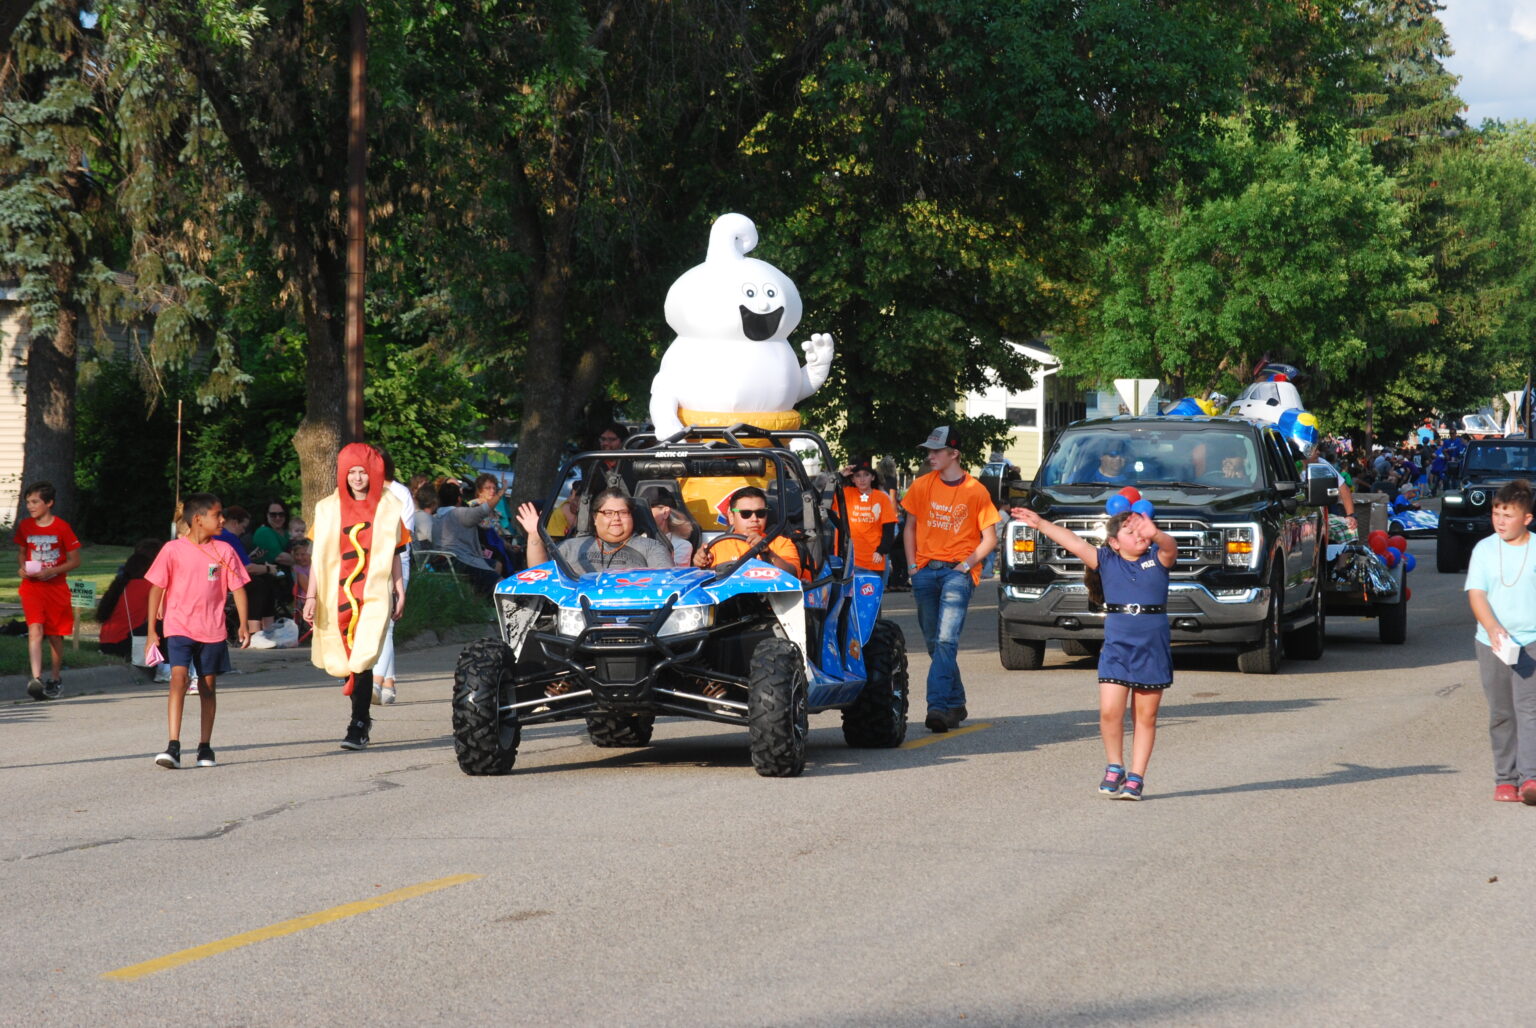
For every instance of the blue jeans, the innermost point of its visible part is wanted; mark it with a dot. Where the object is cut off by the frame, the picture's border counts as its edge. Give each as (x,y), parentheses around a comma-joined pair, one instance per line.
(943,595)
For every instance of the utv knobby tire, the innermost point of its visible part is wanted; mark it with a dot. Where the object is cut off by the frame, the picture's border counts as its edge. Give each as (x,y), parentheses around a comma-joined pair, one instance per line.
(878,718)
(611,731)
(778,709)
(1018,654)
(484,739)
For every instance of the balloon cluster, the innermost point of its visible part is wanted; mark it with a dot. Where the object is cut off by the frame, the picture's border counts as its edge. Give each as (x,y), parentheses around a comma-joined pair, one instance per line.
(1193,406)
(1128,499)
(1392,549)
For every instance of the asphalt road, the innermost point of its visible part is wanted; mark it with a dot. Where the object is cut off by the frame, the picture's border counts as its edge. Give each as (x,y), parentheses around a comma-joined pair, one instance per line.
(1318,847)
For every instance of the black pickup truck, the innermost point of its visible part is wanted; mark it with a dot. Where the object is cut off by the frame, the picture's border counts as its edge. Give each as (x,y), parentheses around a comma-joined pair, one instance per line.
(1252,535)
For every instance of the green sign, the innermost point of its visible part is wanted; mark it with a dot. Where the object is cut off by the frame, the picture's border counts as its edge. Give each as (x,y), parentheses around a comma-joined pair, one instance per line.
(82,593)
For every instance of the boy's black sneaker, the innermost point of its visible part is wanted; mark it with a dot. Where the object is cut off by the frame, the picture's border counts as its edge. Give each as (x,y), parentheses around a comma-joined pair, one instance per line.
(205,755)
(171,758)
(41,690)
(357,736)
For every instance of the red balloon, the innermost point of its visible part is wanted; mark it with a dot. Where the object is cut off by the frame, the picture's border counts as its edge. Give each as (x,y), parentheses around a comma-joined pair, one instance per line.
(1407,593)
(1378,534)
(1377,541)
(1390,559)
(1131,493)
(1401,542)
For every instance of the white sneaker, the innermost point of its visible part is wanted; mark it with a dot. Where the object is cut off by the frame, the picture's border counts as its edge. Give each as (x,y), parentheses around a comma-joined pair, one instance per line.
(378,694)
(192,688)
(387,694)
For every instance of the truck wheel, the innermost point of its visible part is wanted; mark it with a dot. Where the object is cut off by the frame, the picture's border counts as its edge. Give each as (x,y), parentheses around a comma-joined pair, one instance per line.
(1263,657)
(1081,647)
(615,730)
(878,718)
(777,709)
(1018,654)
(1447,553)
(484,739)
(1307,643)
(1392,623)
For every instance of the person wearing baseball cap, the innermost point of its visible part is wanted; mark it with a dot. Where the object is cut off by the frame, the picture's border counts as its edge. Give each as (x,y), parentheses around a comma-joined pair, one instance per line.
(947,539)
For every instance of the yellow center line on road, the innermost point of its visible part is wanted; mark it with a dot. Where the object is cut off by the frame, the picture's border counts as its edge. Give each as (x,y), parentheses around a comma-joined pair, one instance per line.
(273,931)
(941,736)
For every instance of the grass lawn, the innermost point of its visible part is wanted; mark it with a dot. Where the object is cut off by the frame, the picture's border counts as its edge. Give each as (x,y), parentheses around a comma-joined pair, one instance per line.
(98,564)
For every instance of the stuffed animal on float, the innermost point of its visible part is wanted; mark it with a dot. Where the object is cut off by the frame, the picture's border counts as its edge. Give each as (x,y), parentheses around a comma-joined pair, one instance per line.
(731,360)
(1274,399)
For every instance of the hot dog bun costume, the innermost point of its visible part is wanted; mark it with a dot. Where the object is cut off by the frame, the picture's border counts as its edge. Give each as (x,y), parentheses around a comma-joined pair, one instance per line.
(352,564)
(732,360)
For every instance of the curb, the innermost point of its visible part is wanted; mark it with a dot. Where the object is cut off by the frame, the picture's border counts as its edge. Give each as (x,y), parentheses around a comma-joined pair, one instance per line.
(126,677)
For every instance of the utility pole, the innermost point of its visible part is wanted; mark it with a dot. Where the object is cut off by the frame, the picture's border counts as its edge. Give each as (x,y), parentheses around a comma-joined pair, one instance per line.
(357,220)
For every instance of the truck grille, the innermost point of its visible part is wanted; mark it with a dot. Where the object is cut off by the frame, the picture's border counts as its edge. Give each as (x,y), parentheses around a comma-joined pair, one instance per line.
(1200,546)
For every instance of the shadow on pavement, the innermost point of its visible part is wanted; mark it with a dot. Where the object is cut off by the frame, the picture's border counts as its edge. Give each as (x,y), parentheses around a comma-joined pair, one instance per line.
(1347,774)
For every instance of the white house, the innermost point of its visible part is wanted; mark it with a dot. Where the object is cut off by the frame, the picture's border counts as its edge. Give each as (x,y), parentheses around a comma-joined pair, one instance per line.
(13,401)
(1035,415)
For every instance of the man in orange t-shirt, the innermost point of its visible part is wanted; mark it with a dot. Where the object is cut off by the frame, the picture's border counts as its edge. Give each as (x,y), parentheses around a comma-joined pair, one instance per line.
(749,518)
(871,518)
(947,539)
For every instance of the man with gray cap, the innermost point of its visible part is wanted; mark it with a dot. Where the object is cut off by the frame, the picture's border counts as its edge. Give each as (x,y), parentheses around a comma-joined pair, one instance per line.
(947,539)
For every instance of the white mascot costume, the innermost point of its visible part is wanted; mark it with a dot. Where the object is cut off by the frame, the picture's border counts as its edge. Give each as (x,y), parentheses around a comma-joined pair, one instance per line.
(732,360)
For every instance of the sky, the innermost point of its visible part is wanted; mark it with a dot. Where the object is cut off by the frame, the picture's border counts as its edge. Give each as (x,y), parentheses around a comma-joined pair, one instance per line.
(1495,44)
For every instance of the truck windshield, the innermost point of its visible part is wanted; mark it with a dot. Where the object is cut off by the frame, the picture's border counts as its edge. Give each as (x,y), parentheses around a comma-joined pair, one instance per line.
(1510,459)
(1196,458)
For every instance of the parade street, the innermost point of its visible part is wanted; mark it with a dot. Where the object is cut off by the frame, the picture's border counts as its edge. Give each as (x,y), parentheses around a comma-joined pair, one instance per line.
(1316,848)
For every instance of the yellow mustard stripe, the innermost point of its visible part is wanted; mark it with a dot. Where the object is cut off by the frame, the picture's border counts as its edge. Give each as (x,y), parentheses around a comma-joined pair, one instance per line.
(941,736)
(297,924)
(346,587)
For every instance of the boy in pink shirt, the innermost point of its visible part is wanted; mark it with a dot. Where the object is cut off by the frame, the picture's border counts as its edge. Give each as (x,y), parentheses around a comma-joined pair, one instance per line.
(192,575)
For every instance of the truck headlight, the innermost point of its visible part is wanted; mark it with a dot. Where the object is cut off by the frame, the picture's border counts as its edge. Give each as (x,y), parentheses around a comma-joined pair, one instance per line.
(570,622)
(1242,546)
(683,620)
(1451,500)
(1023,546)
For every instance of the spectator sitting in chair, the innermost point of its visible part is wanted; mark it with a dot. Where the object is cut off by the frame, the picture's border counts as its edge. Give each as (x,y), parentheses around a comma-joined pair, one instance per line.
(614,546)
(456,529)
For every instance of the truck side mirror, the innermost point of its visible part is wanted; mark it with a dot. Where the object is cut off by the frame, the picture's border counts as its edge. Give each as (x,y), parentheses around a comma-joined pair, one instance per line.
(1322,490)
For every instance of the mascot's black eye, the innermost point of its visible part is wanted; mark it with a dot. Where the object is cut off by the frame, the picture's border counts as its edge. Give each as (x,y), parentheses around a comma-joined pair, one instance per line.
(748,291)
(772,293)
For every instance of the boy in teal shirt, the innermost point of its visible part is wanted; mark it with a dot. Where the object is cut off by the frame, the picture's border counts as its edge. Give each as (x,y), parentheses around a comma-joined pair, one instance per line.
(1501,586)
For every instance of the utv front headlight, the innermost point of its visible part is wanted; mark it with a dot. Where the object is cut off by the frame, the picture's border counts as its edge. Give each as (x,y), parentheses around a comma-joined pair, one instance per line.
(570,622)
(683,620)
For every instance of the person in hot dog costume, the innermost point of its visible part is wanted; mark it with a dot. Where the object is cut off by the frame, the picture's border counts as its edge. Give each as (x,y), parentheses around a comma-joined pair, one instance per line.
(355,584)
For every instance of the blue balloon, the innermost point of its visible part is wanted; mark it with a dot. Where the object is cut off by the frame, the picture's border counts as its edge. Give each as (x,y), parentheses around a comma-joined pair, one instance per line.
(1143,507)
(1394,556)
(1409,562)
(1117,504)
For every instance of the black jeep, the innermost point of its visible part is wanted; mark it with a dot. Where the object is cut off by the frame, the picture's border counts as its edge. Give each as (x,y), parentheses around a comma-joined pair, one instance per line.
(1468,501)
(1251,530)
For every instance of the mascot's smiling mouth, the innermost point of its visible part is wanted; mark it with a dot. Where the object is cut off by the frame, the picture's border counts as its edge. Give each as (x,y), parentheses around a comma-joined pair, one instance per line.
(758,327)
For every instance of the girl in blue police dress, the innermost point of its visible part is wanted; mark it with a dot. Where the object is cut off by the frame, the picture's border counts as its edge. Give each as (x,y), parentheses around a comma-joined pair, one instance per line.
(1136,663)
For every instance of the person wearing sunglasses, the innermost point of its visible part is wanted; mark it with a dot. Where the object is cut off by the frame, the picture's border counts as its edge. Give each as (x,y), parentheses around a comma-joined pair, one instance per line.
(613,544)
(749,519)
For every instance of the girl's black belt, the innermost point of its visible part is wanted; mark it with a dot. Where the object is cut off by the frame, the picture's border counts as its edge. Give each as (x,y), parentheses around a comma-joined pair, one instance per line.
(1135,608)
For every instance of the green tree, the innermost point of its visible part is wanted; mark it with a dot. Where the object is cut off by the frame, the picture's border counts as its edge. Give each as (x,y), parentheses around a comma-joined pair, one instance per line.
(1289,251)
(56,233)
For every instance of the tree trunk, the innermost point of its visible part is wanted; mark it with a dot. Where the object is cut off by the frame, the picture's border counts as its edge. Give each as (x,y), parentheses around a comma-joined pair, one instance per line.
(50,427)
(319,436)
